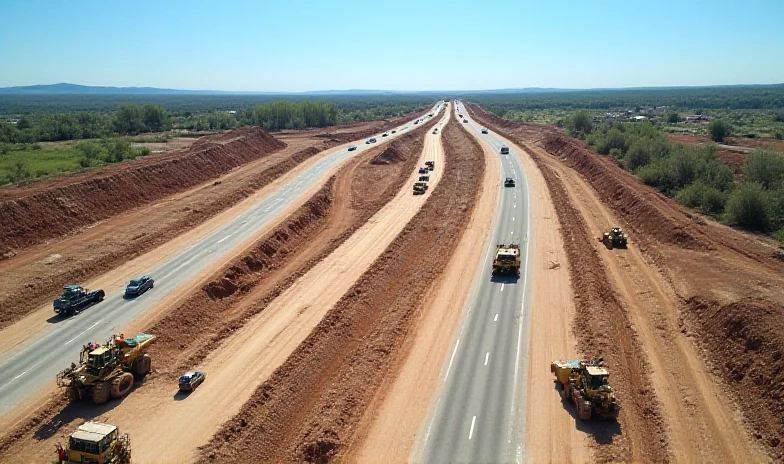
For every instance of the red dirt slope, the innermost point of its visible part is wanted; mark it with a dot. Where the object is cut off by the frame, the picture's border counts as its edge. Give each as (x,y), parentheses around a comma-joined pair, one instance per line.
(61,206)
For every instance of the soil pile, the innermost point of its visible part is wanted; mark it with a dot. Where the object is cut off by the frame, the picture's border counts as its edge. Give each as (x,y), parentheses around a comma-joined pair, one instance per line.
(51,209)
(388,156)
(29,296)
(308,410)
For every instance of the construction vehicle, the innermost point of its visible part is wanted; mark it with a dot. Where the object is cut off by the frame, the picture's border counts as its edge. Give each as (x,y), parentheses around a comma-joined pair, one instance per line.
(504,150)
(509,182)
(107,370)
(430,165)
(424,178)
(97,443)
(615,238)
(507,259)
(75,298)
(587,386)
(484,130)
(420,188)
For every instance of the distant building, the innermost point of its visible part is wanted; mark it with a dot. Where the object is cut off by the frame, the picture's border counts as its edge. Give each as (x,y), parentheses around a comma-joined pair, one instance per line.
(12,121)
(639,118)
(231,112)
(661,110)
(695,118)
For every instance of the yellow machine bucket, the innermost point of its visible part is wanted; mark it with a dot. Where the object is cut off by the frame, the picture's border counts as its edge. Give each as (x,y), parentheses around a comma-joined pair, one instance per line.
(563,369)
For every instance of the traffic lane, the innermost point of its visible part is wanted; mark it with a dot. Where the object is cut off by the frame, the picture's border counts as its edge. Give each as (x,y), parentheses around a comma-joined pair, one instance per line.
(38,363)
(482,357)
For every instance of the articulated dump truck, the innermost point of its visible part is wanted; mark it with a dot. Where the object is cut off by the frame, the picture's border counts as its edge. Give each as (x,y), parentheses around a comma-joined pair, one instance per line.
(507,259)
(107,370)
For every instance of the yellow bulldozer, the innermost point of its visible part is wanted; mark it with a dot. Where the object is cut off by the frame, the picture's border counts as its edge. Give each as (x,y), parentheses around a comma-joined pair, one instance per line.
(587,386)
(97,443)
(107,370)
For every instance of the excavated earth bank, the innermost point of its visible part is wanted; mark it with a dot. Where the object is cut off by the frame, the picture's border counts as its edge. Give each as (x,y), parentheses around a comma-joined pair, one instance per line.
(246,285)
(51,209)
(308,410)
(730,284)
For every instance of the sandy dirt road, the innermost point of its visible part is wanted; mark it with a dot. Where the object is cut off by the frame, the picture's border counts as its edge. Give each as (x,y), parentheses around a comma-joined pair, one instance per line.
(702,426)
(252,354)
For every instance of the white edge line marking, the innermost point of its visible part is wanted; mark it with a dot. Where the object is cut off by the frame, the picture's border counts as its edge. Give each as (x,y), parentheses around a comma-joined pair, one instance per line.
(471,432)
(454,352)
(487,356)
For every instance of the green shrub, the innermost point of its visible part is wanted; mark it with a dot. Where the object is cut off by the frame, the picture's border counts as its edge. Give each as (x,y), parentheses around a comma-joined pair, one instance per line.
(718,129)
(579,124)
(779,235)
(709,200)
(748,207)
(766,167)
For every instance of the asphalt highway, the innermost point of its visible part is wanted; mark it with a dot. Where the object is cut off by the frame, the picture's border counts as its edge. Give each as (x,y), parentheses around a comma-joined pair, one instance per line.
(36,364)
(479,415)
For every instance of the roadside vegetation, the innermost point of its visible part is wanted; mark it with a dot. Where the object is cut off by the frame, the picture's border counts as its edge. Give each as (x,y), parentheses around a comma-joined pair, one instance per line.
(89,133)
(693,175)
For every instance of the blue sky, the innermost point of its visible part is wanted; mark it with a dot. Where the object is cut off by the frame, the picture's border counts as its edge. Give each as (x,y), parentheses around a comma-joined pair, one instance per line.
(298,45)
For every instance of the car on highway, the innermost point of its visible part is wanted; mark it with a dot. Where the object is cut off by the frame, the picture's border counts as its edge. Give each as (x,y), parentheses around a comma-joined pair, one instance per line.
(139,285)
(504,150)
(394,131)
(423,170)
(190,380)
(484,130)
(465,120)
(416,122)
(371,141)
(384,134)
(352,147)
(509,182)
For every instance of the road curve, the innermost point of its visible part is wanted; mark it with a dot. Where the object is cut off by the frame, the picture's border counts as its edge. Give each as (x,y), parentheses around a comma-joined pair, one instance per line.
(27,370)
(480,414)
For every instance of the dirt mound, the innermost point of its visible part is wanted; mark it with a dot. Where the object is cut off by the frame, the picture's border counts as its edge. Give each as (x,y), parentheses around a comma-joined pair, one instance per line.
(388,156)
(48,210)
(309,408)
(745,343)
(25,297)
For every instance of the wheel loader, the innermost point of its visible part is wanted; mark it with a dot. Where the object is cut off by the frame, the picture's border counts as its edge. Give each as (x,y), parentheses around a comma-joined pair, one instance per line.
(107,370)
(96,442)
(587,386)
(615,238)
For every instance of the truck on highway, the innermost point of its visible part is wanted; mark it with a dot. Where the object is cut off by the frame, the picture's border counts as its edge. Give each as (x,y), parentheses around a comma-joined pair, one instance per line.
(484,130)
(507,259)
(107,370)
(504,150)
(75,298)
(420,188)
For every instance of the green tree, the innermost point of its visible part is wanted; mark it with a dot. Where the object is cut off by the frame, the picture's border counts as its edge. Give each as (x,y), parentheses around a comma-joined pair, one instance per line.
(579,124)
(154,118)
(718,129)
(673,117)
(129,119)
(748,207)
(766,167)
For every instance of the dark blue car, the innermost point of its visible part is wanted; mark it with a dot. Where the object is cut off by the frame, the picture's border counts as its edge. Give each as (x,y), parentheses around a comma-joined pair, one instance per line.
(139,285)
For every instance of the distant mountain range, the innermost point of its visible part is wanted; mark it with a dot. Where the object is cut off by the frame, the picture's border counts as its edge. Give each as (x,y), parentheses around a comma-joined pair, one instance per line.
(74,89)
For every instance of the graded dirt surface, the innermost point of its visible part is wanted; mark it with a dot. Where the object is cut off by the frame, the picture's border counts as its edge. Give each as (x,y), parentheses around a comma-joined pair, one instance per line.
(694,299)
(241,293)
(310,408)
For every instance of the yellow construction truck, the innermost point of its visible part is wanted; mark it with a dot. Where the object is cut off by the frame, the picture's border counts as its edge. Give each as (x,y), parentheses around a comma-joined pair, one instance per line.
(107,370)
(507,259)
(586,384)
(96,443)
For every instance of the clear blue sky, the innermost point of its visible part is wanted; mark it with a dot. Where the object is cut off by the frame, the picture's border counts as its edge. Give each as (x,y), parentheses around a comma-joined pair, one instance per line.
(297,45)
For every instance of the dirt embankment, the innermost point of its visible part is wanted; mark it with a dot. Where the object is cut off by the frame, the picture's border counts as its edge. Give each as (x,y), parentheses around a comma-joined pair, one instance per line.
(251,281)
(729,284)
(194,328)
(20,298)
(48,210)
(348,135)
(308,410)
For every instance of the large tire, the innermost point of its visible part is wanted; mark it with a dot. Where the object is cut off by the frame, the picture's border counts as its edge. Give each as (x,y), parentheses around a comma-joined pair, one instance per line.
(101,392)
(567,392)
(99,296)
(122,385)
(142,366)
(73,394)
(584,411)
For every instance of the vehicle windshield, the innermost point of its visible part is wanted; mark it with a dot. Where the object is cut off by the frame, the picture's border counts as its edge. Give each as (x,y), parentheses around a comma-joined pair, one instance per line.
(135,283)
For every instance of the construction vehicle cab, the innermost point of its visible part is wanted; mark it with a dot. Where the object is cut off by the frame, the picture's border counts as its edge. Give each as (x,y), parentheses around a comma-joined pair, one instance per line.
(587,386)
(507,259)
(615,238)
(98,443)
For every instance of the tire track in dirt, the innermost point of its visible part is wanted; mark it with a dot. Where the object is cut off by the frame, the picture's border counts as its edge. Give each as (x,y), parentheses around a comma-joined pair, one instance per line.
(309,408)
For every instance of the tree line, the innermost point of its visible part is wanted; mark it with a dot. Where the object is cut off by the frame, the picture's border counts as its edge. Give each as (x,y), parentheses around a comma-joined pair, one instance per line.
(694,176)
